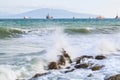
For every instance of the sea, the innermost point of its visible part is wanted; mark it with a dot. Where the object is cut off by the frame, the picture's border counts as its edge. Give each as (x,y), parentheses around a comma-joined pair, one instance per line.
(28,45)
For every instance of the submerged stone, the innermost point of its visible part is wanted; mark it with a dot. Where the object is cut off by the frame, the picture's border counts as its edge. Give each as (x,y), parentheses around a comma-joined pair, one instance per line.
(90,75)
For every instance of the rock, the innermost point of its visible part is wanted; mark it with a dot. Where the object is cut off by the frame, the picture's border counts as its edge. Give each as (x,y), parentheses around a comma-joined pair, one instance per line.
(115,77)
(61,60)
(97,67)
(69,70)
(66,55)
(86,56)
(100,57)
(90,75)
(53,65)
(78,60)
(39,75)
(69,59)
(81,65)
(68,67)
(82,58)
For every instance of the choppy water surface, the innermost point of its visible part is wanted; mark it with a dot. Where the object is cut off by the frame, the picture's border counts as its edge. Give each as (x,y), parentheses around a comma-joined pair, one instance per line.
(28,45)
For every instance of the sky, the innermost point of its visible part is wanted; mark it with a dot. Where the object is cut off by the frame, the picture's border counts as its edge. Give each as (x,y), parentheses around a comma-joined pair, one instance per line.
(107,8)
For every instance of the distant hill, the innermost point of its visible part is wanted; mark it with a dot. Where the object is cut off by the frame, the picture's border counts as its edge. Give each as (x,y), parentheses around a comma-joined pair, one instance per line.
(56,13)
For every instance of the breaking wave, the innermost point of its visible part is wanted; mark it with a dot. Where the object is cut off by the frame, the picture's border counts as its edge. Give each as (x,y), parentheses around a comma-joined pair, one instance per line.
(77,30)
(17,32)
(88,30)
(10,32)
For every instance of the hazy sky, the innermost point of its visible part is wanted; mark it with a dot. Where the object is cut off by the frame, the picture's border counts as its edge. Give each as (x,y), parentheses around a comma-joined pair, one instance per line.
(108,8)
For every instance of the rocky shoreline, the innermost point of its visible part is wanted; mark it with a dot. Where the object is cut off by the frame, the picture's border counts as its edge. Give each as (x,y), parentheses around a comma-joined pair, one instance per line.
(77,63)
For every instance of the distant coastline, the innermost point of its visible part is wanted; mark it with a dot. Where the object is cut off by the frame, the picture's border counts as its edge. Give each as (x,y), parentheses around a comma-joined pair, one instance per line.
(56,13)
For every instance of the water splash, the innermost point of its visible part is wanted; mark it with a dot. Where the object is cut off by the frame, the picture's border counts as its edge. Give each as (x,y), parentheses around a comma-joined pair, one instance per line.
(6,73)
(107,47)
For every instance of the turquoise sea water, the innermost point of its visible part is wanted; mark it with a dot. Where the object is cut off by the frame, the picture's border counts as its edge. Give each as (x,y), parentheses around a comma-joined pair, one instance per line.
(27,45)
(28,23)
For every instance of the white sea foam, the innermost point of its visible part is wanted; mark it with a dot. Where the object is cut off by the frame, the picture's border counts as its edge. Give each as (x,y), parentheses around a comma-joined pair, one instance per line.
(6,73)
(106,47)
(27,65)
(60,42)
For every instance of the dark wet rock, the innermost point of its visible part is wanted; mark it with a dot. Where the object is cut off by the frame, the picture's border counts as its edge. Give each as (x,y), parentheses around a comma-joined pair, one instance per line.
(86,56)
(39,75)
(66,55)
(53,65)
(115,77)
(81,65)
(100,57)
(69,70)
(78,60)
(90,75)
(82,58)
(68,67)
(97,67)
(69,59)
(61,60)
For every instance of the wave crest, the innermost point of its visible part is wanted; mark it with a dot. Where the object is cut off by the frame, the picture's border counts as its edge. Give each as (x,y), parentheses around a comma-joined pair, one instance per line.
(102,30)
(10,32)
(78,30)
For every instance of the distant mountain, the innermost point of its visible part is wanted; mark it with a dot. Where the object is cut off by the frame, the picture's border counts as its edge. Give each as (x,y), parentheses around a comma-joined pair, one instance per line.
(56,13)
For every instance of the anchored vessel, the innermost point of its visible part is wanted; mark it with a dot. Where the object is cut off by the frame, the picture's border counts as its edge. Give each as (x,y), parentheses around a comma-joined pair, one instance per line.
(49,17)
(26,17)
(116,17)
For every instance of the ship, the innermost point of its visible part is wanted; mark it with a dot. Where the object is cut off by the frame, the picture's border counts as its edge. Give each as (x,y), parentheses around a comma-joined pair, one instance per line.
(26,17)
(49,17)
(100,17)
(116,17)
(73,17)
